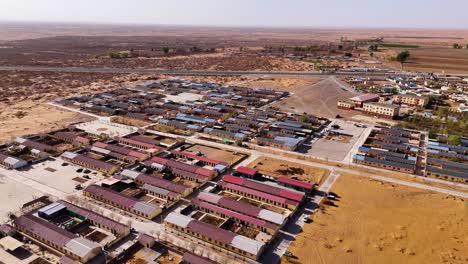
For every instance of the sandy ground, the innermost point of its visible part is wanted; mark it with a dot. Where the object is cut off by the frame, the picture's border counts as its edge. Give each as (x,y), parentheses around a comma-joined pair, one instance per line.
(319,99)
(282,83)
(37,119)
(219,154)
(376,222)
(13,195)
(273,167)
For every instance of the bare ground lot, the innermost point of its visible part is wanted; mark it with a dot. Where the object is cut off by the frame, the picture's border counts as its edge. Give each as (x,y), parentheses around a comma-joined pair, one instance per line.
(37,119)
(319,99)
(23,96)
(277,167)
(13,195)
(227,156)
(377,222)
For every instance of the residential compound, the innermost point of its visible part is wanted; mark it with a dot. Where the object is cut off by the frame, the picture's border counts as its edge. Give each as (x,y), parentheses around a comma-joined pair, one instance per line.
(391,148)
(72,232)
(240,216)
(446,161)
(411,151)
(173,173)
(183,107)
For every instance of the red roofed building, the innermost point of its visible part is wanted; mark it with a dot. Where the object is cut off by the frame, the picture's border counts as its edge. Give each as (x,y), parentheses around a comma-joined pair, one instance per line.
(187,171)
(358,101)
(202,159)
(247,172)
(259,186)
(296,184)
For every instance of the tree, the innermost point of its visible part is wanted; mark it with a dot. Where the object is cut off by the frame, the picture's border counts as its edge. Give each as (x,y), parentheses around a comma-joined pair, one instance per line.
(432,134)
(304,118)
(456,46)
(166,50)
(238,142)
(454,140)
(402,57)
(348,54)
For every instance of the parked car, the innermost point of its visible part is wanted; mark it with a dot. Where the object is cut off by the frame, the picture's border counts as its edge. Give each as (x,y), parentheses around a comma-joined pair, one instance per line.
(79,170)
(78,187)
(307,220)
(328,202)
(332,193)
(86,171)
(86,177)
(288,254)
(64,164)
(331,197)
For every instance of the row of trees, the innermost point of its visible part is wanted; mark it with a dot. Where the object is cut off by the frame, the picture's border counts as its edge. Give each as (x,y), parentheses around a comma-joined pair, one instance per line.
(459,46)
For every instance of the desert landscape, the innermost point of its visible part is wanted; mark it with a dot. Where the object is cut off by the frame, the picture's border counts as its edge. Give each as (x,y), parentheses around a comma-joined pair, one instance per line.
(386,223)
(234,144)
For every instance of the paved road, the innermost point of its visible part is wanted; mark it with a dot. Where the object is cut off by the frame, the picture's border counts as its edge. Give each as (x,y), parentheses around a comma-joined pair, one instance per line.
(186,72)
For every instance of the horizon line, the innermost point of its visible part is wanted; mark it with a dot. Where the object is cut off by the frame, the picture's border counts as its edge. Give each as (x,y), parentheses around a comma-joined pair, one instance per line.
(134,24)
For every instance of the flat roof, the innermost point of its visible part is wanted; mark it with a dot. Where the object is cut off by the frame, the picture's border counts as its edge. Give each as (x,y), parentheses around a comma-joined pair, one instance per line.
(9,243)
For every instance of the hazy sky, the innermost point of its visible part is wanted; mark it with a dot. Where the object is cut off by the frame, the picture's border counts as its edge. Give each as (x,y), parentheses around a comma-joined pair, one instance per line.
(274,13)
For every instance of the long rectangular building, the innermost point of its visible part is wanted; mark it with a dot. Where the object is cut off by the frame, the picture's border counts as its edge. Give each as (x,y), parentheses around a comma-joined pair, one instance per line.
(94,164)
(11,162)
(121,201)
(56,238)
(218,237)
(169,189)
(266,220)
(259,186)
(183,170)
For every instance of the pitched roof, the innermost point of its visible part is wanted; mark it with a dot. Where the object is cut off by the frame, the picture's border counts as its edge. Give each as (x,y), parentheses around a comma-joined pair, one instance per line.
(97,218)
(295,182)
(246,170)
(259,186)
(43,229)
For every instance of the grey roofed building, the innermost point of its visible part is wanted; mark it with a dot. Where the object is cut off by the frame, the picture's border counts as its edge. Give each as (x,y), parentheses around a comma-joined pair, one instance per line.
(146,208)
(12,162)
(385,162)
(82,247)
(436,170)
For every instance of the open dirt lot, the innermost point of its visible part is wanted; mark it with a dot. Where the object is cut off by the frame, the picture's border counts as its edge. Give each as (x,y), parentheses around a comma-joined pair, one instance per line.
(277,167)
(13,195)
(319,99)
(23,97)
(376,222)
(36,119)
(219,154)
